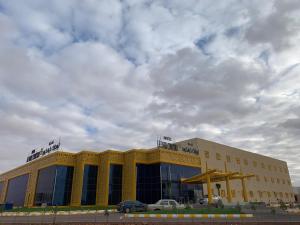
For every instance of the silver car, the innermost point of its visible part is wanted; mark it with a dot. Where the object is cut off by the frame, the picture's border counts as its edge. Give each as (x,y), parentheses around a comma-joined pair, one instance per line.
(164,204)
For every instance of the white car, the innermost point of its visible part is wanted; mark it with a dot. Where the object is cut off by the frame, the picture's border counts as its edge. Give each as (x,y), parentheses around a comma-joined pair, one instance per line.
(215,199)
(166,204)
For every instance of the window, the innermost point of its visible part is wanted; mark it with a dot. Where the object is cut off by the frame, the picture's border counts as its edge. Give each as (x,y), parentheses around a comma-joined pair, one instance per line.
(275,194)
(272,180)
(54,185)
(89,186)
(283,181)
(16,190)
(163,181)
(238,161)
(164,203)
(269,194)
(206,154)
(266,179)
(286,195)
(263,165)
(257,178)
(275,168)
(254,163)
(260,194)
(270,167)
(218,156)
(228,158)
(280,169)
(245,162)
(285,170)
(278,181)
(115,184)
(1,187)
(280,194)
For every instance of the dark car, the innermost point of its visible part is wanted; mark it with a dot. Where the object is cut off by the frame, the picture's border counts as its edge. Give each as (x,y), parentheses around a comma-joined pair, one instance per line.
(131,206)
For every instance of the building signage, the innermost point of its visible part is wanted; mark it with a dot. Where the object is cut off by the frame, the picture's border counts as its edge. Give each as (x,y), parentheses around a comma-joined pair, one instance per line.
(35,153)
(166,142)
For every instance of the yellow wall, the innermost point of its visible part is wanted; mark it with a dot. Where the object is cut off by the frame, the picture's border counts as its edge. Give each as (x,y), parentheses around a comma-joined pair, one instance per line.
(103,160)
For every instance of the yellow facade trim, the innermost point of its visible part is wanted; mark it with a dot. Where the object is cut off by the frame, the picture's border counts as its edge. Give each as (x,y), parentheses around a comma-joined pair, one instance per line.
(103,159)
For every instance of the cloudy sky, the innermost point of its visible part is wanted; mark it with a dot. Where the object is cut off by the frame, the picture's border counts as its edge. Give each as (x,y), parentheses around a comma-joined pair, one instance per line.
(117,74)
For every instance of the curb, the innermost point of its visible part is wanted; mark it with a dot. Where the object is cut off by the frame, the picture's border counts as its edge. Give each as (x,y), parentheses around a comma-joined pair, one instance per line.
(227,216)
(58,213)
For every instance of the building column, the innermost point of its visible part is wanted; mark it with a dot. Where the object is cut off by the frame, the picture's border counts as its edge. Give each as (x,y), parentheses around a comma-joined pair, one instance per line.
(245,195)
(31,186)
(77,182)
(208,189)
(4,191)
(103,181)
(228,189)
(129,177)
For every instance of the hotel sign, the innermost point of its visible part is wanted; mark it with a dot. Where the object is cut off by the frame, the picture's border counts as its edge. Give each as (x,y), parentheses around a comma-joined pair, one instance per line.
(52,146)
(166,142)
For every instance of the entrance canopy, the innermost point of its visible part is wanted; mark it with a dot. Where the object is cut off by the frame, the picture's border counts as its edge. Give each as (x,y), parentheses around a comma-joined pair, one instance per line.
(218,176)
(215,176)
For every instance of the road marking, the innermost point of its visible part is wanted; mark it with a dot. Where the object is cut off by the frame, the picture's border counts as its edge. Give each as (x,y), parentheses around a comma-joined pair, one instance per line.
(216,216)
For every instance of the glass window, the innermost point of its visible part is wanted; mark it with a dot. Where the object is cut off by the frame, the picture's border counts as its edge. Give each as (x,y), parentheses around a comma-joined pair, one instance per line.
(163,181)
(1,188)
(45,184)
(115,184)
(89,186)
(238,161)
(54,185)
(16,190)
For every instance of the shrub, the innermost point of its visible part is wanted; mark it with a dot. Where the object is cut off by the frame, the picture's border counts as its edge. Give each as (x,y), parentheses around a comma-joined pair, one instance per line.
(273,210)
(238,207)
(282,205)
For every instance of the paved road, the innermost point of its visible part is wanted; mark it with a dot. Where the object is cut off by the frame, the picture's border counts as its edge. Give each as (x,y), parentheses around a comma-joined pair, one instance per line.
(119,218)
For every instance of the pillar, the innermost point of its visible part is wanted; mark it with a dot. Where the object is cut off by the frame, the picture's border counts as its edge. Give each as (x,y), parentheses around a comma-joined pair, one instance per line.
(77,181)
(31,186)
(208,189)
(245,195)
(103,180)
(129,177)
(228,189)
(3,191)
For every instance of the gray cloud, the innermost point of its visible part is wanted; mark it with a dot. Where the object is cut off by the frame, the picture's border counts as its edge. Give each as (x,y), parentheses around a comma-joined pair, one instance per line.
(117,74)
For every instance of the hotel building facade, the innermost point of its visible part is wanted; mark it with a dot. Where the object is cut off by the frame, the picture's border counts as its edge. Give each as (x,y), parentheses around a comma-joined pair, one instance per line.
(185,171)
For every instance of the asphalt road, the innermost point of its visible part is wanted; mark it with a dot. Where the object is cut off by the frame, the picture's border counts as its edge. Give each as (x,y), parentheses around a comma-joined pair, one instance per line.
(119,218)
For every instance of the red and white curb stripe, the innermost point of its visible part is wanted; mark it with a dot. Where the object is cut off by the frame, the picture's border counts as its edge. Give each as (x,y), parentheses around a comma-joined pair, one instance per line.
(227,216)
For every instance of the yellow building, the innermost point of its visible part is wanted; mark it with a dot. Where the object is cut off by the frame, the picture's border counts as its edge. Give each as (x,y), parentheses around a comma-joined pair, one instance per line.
(184,171)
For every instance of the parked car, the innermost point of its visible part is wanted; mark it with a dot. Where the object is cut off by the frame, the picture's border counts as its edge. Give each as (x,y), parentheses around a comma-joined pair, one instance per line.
(131,206)
(216,200)
(166,204)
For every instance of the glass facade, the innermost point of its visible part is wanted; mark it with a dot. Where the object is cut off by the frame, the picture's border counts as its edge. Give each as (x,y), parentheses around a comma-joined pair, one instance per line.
(1,188)
(16,190)
(54,185)
(89,187)
(162,181)
(115,184)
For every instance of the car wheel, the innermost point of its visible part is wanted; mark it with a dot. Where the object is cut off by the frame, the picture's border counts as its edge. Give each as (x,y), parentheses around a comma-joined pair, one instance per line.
(127,210)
